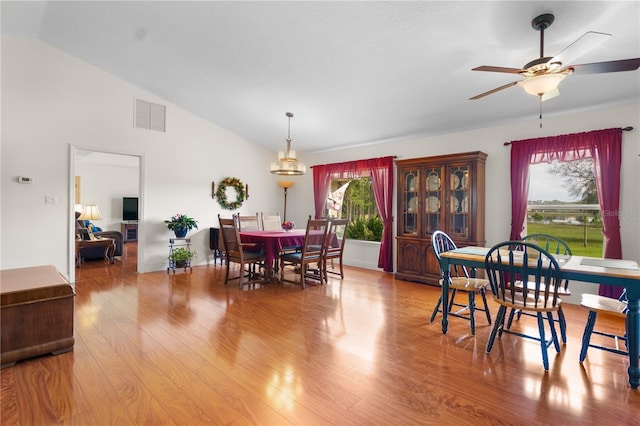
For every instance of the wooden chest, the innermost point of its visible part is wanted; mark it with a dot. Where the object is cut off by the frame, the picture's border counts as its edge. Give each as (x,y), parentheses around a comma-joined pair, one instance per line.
(36,313)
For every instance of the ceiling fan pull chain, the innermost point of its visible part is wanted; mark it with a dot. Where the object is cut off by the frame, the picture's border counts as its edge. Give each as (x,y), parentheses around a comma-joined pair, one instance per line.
(540,111)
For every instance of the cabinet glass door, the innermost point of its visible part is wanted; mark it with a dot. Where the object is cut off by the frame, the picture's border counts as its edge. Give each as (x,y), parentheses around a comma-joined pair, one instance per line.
(433,186)
(459,201)
(410,201)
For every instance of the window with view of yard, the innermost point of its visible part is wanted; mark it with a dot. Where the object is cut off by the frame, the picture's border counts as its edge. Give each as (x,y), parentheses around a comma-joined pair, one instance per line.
(353,198)
(563,201)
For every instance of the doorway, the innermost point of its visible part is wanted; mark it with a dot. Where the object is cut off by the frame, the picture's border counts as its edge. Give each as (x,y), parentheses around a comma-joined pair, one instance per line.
(109,176)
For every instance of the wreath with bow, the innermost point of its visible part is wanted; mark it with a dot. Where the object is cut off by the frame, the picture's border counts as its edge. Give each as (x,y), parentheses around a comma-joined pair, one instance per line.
(221,193)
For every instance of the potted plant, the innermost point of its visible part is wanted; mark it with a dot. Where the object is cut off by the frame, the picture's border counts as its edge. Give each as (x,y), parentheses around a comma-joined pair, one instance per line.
(181,257)
(180,224)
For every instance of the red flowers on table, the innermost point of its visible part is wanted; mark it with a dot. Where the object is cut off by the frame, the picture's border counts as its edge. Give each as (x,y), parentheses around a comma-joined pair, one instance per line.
(288,225)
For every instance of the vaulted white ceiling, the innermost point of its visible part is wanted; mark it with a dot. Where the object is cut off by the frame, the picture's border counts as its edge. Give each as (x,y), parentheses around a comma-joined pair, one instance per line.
(353,73)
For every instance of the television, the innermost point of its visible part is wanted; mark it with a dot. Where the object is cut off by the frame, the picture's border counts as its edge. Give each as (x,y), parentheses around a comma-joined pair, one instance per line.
(129,208)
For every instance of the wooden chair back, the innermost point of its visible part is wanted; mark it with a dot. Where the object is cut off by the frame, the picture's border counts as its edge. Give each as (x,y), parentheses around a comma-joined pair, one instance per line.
(249,223)
(441,242)
(335,246)
(553,245)
(230,238)
(510,263)
(271,222)
(550,243)
(315,238)
(336,238)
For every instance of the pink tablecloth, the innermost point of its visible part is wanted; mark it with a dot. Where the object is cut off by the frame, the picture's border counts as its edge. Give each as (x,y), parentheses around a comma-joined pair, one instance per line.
(273,241)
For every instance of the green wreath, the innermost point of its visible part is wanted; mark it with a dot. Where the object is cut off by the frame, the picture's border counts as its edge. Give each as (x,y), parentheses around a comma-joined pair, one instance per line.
(221,193)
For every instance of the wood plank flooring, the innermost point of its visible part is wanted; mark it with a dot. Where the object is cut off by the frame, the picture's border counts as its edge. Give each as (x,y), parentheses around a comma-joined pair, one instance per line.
(164,349)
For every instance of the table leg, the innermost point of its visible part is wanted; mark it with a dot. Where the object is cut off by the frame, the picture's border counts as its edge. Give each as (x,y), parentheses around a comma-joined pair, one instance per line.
(633,334)
(445,296)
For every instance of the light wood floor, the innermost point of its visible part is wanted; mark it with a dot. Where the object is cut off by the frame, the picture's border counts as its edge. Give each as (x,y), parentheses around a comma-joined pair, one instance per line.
(161,349)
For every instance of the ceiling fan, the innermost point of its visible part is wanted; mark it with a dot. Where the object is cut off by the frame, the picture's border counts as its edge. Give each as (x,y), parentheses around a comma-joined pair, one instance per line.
(542,75)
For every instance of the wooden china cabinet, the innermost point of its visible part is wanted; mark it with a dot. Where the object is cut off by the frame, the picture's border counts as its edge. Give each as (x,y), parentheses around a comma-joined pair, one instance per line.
(445,193)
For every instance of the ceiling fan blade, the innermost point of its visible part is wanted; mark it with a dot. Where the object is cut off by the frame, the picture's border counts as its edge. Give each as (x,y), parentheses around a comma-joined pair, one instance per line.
(603,67)
(498,69)
(588,41)
(497,89)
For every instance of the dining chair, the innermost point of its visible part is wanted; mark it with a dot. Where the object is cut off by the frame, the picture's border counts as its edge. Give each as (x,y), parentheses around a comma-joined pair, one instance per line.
(507,263)
(606,306)
(312,252)
(236,253)
(336,238)
(271,222)
(555,246)
(459,281)
(249,223)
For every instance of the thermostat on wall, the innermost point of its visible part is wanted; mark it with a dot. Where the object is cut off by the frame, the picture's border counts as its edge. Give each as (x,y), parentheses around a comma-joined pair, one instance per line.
(25,179)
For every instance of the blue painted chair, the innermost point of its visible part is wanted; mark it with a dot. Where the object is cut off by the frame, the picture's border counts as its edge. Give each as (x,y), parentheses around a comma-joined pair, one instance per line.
(606,306)
(554,246)
(510,262)
(459,280)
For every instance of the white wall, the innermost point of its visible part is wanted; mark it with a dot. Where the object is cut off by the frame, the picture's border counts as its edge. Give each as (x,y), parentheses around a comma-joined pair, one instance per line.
(50,101)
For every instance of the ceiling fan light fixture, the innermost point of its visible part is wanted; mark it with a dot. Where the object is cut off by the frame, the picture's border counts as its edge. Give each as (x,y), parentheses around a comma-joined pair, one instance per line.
(287,164)
(540,84)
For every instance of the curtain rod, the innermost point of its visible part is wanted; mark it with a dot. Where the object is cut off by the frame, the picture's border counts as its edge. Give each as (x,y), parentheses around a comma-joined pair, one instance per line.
(624,129)
(366,159)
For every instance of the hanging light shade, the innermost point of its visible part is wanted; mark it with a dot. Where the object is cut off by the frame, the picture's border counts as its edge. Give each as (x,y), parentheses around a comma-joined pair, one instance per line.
(540,85)
(287,164)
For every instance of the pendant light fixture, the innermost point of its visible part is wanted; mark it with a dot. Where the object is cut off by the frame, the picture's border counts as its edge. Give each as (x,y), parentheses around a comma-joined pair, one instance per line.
(287,164)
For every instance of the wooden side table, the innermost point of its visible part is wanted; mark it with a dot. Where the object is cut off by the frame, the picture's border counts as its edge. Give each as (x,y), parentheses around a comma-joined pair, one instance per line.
(109,245)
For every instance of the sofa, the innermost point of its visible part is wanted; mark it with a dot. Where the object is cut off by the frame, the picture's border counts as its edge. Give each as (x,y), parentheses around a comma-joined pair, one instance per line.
(94,253)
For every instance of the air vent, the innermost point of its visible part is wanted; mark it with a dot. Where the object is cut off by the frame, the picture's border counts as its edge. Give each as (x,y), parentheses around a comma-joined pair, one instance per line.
(150,116)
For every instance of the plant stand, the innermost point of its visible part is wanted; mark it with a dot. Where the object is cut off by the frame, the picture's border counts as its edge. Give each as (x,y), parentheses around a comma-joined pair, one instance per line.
(175,243)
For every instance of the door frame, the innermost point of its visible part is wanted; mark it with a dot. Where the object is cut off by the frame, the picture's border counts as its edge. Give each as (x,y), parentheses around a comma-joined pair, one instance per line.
(73,149)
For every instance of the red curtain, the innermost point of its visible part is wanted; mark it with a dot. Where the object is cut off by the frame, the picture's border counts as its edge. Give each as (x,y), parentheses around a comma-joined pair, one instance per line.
(380,170)
(605,147)
(520,157)
(321,182)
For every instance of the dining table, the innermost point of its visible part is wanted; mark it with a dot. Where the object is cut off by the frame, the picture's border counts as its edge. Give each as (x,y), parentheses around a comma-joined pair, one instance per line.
(273,242)
(612,272)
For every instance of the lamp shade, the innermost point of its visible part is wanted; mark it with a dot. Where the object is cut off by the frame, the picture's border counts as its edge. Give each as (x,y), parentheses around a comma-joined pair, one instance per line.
(540,84)
(285,183)
(90,212)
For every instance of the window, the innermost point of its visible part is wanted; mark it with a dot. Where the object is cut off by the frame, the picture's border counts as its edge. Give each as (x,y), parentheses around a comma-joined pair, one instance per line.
(605,148)
(353,198)
(563,201)
(380,171)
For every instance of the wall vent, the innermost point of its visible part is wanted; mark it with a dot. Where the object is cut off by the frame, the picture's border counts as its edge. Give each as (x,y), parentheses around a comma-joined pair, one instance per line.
(150,116)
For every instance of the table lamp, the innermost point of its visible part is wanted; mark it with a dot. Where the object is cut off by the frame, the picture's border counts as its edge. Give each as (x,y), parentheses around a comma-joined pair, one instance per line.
(90,212)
